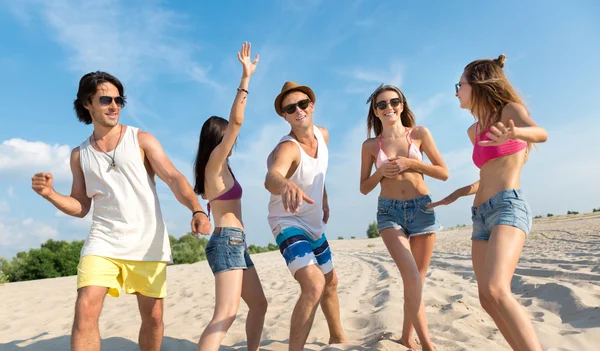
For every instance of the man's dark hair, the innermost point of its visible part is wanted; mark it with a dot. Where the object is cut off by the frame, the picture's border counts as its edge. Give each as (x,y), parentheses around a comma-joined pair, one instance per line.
(88,85)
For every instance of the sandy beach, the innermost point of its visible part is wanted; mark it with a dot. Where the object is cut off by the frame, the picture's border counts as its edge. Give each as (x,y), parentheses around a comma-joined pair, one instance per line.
(557,280)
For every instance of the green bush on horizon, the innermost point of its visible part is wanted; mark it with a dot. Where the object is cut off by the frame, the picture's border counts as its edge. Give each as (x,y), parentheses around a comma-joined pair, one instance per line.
(59,258)
(372,231)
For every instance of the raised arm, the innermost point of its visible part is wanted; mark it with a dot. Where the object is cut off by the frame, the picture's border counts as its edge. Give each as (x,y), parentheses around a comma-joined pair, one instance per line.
(77,204)
(178,184)
(236,116)
(515,123)
(437,169)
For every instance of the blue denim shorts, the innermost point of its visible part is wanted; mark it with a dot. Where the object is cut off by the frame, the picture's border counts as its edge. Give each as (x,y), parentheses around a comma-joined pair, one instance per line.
(409,215)
(226,250)
(507,207)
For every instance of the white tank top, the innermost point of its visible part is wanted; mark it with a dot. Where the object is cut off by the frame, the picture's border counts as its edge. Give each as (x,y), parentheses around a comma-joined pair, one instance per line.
(310,177)
(127,222)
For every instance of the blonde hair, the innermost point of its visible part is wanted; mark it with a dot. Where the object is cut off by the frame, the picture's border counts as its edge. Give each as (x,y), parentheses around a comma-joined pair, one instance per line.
(407,117)
(490,91)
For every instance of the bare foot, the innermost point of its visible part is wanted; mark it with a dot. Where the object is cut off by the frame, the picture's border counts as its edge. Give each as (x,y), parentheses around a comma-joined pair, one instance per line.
(410,344)
(338,340)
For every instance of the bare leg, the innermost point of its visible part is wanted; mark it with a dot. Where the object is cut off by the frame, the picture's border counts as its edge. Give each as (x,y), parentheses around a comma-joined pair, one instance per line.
(421,247)
(253,295)
(228,290)
(399,248)
(151,331)
(330,304)
(86,333)
(500,259)
(312,284)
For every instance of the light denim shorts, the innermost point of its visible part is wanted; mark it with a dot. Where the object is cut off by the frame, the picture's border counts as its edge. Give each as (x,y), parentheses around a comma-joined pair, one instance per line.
(507,207)
(409,215)
(226,250)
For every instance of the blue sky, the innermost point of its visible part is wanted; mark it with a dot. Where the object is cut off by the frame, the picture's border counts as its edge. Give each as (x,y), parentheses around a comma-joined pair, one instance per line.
(178,63)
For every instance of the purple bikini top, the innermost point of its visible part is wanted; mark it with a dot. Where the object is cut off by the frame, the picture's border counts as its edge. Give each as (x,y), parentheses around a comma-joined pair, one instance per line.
(234,193)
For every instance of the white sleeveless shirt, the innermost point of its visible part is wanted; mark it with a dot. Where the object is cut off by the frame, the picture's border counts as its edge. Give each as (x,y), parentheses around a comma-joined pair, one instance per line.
(127,222)
(310,177)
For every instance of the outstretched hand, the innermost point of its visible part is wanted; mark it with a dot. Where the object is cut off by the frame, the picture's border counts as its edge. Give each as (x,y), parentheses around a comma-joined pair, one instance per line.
(292,197)
(244,58)
(499,134)
(447,200)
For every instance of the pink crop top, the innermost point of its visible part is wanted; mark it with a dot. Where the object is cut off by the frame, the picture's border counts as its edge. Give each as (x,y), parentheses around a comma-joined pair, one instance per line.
(234,193)
(482,154)
(415,154)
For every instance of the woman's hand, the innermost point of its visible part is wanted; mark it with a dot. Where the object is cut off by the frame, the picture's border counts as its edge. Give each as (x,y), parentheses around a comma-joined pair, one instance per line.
(244,58)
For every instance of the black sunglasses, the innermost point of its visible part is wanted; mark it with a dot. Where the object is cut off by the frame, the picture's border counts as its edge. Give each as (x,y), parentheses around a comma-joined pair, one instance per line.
(457,86)
(383,104)
(291,108)
(107,100)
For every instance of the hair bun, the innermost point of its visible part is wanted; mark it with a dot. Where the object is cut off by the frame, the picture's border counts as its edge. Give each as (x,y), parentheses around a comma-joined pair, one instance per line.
(500,60)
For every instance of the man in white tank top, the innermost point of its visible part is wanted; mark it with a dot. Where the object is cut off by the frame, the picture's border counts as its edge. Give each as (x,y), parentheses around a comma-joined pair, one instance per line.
(128,243)
(298,212)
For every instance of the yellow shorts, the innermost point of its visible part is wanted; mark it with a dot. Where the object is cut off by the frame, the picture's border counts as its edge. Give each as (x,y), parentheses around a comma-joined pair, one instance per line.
(148,278)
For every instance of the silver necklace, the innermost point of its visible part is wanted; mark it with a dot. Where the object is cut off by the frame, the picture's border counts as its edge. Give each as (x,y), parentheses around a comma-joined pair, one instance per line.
(112,158)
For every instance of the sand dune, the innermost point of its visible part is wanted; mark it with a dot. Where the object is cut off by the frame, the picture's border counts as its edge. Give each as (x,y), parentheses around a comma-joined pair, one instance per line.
(558,280)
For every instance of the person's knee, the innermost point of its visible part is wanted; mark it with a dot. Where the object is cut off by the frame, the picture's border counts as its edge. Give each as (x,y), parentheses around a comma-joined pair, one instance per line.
(312,286)
(260,306)
(492,294)
(87,311)
(154,317)
(331,284)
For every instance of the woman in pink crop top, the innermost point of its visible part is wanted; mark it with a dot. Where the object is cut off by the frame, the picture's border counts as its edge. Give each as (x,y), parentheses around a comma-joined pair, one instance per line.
(406,225)
(502,136)
(226,250)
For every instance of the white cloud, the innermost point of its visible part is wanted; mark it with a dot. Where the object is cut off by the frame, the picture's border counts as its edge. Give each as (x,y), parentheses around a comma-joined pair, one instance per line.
(4,206)
(136,41)
(23,233)
(133,41)
(374,76)
(11,192)
(24,158)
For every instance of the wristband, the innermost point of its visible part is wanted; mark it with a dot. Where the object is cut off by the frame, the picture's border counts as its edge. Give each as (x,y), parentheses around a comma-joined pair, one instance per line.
(200,211)
(244,90)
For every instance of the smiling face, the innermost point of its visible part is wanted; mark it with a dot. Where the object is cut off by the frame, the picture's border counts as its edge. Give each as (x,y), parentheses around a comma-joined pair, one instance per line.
(103,112)
(299,117)
(392,107)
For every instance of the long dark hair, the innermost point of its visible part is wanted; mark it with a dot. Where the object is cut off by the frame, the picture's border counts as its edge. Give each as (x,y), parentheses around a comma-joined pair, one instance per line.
(407,117)
(211,135)
(88,85)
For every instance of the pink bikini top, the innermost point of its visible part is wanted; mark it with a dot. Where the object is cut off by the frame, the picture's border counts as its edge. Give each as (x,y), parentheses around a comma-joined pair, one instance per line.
(415,154)
(234,193)
(482,154)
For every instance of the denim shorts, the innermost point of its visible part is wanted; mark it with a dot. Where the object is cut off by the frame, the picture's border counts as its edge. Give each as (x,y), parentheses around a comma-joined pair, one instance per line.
(409,215)
(507,207)
(226,250)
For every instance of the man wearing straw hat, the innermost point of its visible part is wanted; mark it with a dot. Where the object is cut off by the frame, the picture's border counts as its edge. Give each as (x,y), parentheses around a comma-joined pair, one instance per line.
(298,213)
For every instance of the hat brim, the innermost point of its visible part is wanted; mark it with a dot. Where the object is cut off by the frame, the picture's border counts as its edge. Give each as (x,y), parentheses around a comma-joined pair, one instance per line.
(306,90)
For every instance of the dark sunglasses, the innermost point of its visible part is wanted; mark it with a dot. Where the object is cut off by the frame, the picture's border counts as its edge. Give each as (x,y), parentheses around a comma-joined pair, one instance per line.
(383,104)
(457,86)
(107,100)
(291,108)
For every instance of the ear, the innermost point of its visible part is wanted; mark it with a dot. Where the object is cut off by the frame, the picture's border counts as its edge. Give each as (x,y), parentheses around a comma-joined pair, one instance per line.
(87,105)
